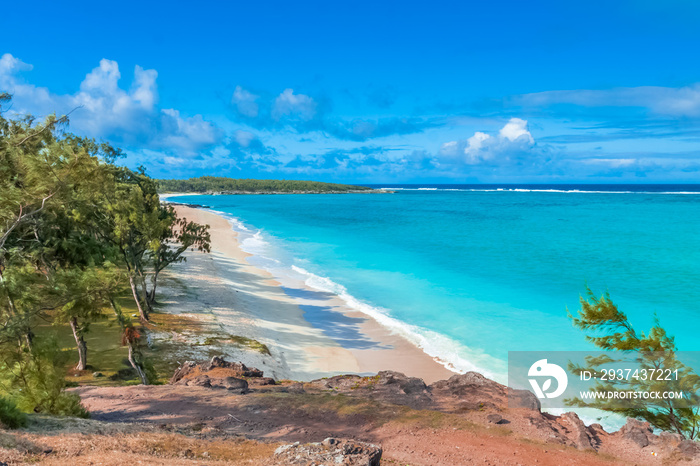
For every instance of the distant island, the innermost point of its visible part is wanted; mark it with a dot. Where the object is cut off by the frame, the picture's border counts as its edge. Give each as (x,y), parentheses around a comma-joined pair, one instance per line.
(222,185)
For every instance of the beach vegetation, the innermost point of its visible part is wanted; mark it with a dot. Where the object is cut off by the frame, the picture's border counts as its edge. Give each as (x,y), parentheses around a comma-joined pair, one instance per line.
(36,380)
(10,415)
(240,341)
(78,233)
(215,184)
(610,330)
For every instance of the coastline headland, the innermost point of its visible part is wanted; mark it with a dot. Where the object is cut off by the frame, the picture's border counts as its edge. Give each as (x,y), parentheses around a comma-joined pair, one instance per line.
(214,185)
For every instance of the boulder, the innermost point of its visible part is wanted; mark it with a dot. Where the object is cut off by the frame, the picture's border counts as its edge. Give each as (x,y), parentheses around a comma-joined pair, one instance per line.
(387,386)
(240,368)
(218,368)
(523,399)
(200,381)
(577,433)
(478,392)
(637,431)
(231,383)
(182,371)
(494,418)
(331,451)
(262,381)
(688,449)
(340,383)
(497,419)
(403,383)
(669,438)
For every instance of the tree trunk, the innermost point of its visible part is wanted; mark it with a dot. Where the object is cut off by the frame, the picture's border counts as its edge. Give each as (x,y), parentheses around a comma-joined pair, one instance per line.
(10,302)
(152,295)
(29,337)
(136,367)
(142,312)
(117,313)
(144,293)
(80,343)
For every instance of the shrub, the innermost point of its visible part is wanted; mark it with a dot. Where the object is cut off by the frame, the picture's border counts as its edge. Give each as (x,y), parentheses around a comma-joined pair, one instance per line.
(36,381)
(10,416)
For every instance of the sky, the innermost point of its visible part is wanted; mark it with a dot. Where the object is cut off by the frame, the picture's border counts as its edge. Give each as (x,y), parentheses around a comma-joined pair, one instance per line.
(370,92)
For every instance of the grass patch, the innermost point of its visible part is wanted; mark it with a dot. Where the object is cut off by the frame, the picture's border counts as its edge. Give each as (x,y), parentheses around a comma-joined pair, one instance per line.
(178,323)
(240,341)
(105,354)
(107,359)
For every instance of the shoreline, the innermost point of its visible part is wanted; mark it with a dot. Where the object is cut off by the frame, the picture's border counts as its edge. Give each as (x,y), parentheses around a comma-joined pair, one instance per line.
(310,333)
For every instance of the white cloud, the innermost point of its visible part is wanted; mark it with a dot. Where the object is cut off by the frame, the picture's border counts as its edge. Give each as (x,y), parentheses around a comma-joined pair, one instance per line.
(673,101)
(613,163)
(513,139)
(10,65)
(289,104)
(102,109)
(515,129)
(245,102)
(474,149)
(186,133)
(243,138)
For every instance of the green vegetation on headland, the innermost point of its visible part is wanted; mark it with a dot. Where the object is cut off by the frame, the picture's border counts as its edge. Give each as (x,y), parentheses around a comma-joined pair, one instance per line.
(220,185)
(81,238)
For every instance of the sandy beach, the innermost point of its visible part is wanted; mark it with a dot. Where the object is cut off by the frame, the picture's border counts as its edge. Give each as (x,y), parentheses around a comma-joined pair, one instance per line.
(310,334)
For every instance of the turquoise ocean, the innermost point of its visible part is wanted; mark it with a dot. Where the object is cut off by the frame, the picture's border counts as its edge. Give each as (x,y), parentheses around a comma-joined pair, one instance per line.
(470,272)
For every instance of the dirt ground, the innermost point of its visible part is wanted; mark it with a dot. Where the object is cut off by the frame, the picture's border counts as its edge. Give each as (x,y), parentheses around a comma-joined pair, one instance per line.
(408,436)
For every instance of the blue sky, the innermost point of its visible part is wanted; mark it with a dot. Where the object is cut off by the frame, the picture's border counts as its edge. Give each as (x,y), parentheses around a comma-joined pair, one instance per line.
(371,91)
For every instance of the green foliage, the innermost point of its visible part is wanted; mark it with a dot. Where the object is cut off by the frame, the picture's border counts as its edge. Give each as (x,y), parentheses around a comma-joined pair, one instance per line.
(10,416)
(610,330)
(75,229)
(214,184)
(36,380)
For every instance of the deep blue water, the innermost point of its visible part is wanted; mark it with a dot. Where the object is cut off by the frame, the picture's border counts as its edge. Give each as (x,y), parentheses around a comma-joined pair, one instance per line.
(473,271)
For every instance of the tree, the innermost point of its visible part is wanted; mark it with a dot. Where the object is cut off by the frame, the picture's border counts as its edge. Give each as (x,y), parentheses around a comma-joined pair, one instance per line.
(180,236)
(32,176)
(130,338)
(73,226)
(208,184)
(134,226)
(84,292)
(148,235)
(611,331)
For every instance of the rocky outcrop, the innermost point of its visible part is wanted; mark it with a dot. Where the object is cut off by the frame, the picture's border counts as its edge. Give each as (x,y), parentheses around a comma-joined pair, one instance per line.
(576,432)
(388,386)
(219,373)
(638,432)
(232,384)
(470,394)
(241,369)
(478,392)
(688,450)
(330,451)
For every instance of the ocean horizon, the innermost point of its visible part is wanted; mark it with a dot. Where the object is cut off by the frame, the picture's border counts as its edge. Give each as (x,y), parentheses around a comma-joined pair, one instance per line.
(469,272)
